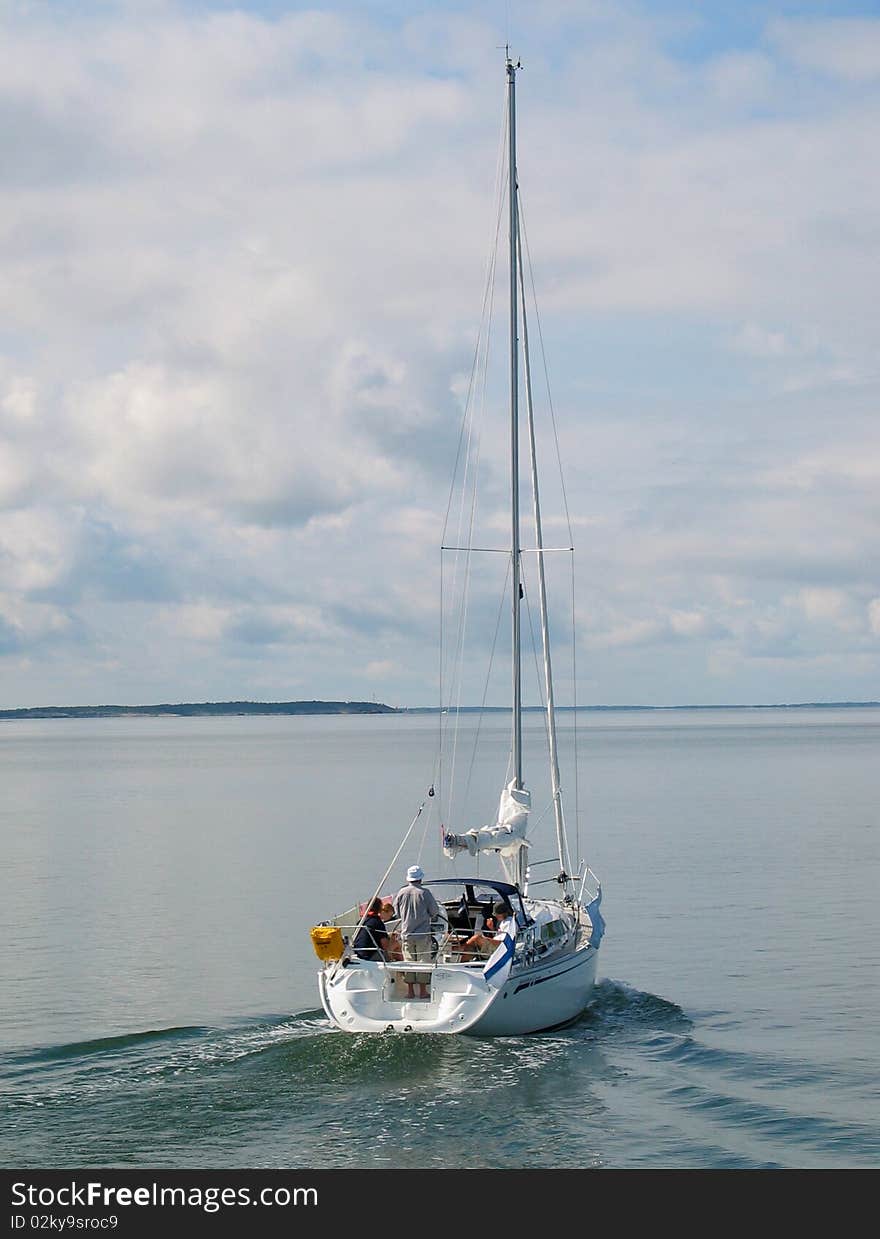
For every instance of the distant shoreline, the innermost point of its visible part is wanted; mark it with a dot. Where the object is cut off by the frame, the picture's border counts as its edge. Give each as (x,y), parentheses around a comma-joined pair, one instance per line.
(214,709)
(202,709)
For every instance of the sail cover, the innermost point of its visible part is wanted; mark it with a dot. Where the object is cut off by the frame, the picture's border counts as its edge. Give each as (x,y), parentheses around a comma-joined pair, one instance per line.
(507,836)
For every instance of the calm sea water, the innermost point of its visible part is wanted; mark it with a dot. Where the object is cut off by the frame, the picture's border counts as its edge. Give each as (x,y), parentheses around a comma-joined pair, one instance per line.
(158,1005)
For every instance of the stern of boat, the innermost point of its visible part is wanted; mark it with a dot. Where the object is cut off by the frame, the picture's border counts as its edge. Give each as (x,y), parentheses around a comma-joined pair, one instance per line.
(367,996)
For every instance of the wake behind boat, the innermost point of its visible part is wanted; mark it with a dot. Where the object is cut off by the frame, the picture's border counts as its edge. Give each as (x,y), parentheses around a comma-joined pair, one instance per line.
(493,959)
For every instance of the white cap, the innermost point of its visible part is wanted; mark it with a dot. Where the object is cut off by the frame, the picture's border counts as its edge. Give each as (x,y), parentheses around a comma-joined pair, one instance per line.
(415,873)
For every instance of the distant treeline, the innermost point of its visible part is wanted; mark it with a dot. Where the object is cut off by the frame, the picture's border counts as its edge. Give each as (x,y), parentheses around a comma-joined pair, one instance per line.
(204,708)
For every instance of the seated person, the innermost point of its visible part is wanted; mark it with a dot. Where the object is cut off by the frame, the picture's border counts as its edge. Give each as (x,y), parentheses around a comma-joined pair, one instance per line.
(483,943)
(372,940)
(453,947)
(392,950)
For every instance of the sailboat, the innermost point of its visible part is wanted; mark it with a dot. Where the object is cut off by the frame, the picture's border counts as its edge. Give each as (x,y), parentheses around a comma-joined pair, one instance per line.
(537,968)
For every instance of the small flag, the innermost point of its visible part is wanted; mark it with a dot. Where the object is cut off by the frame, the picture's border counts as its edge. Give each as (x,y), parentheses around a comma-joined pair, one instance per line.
(498,964)
(597,920)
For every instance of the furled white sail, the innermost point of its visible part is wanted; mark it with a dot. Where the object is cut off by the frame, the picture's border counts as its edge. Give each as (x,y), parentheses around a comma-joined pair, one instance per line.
(507,836)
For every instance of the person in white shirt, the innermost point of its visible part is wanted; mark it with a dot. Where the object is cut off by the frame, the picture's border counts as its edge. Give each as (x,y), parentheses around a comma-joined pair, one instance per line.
(487,941)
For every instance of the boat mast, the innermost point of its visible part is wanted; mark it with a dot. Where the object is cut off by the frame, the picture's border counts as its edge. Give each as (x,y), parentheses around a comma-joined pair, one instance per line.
(514,426)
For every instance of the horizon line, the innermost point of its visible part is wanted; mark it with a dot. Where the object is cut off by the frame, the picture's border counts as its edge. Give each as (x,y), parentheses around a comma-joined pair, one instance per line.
(374,707)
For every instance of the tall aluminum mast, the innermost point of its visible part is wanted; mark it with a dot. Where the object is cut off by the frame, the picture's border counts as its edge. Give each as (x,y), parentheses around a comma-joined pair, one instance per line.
(514,426)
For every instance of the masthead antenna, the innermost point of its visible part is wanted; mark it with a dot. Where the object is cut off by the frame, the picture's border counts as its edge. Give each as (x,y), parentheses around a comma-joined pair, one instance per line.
(518,64)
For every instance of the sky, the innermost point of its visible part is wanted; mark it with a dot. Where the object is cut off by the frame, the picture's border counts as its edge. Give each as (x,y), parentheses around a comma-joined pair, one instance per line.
(242,260)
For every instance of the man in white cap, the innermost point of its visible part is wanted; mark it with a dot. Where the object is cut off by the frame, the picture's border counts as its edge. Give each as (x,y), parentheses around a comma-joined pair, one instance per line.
(416,908)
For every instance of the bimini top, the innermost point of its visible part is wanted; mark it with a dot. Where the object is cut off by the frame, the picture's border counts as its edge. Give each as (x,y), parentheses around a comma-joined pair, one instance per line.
(503,888)
(506,891)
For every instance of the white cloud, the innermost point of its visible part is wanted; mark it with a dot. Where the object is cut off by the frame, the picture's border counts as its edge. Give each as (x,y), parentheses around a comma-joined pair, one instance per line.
(240,272)
(761,342)
(823,604)
(688,623)
(740,79)
(848,47)
(19,400)
(200,622)
(380,669)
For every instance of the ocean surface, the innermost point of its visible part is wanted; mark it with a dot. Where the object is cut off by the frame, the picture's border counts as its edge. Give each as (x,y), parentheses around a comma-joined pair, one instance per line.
(158,1004)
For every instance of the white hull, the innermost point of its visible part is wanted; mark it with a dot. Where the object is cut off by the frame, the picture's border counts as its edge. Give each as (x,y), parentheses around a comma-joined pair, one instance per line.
(365,997)
(541,997)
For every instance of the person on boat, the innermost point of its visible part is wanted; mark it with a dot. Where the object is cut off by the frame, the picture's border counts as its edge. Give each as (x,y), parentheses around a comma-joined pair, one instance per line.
(486,939)
(372,940)
(387,914)
(416,908)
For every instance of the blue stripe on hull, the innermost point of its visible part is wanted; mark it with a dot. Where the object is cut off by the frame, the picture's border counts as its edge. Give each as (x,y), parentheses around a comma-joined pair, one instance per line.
(510,1014)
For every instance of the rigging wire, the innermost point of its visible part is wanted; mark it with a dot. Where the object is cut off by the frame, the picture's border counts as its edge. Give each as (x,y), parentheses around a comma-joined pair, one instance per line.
(544,363)
(481,713)
(564,861)
(467,464)
(552,410)
(463,614)
(538,683)
(478,381)
(574,688)
(562,846)
(488,286)
(384,876)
